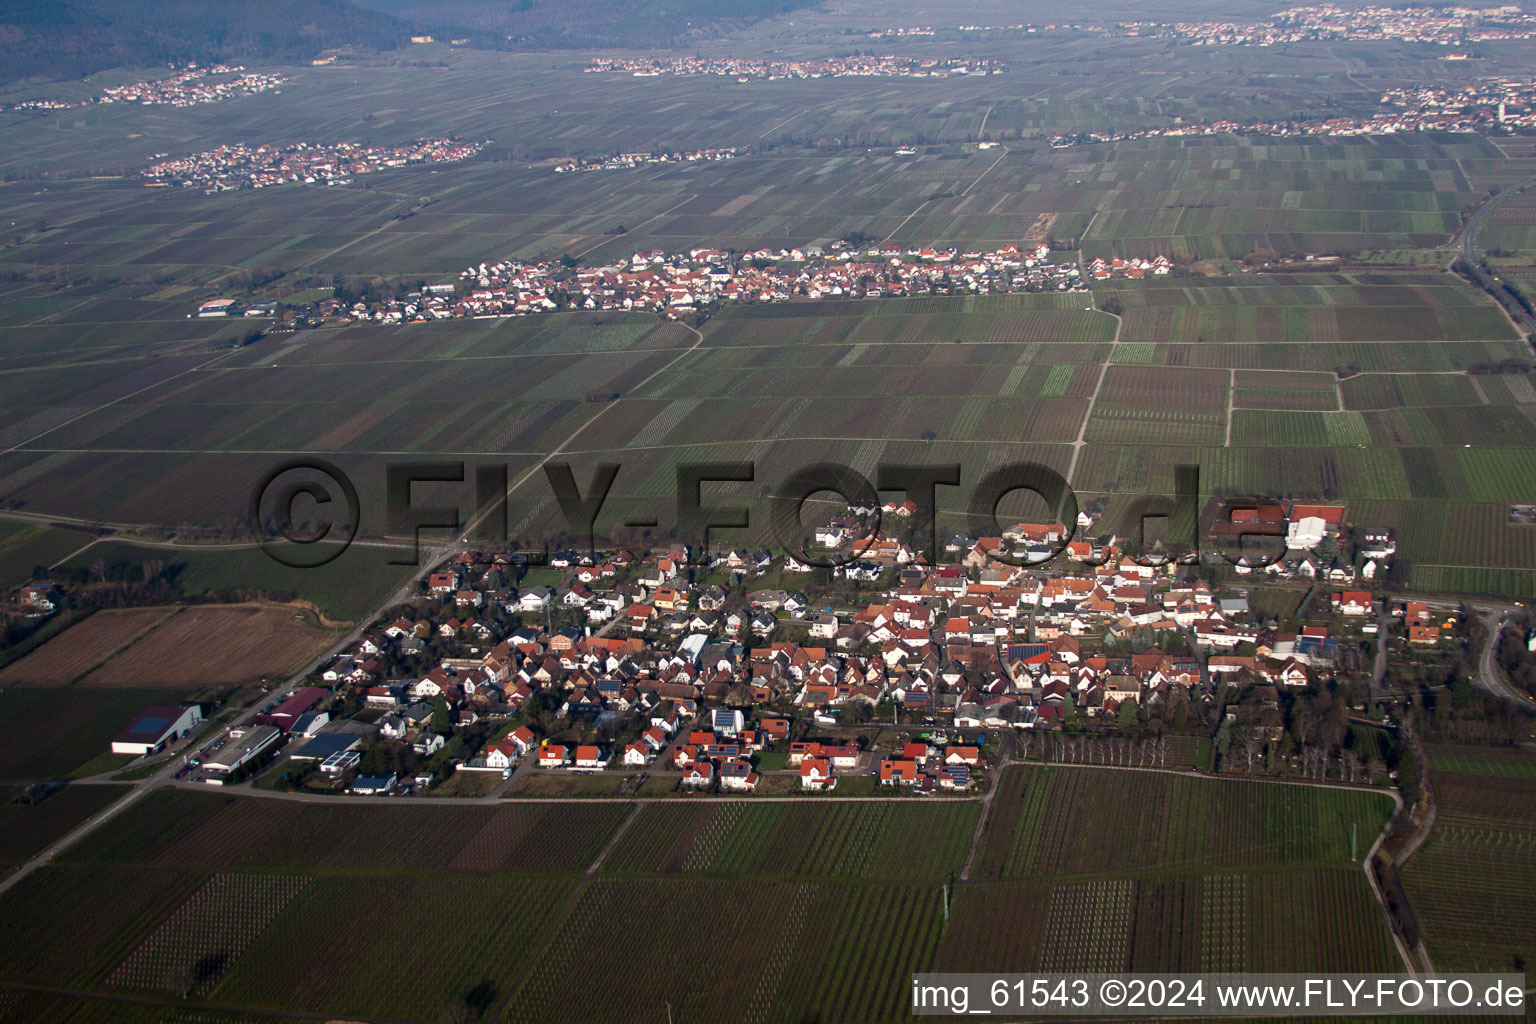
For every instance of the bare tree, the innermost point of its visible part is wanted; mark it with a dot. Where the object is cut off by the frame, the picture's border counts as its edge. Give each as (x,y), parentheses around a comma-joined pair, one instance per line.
(1375,767)
(1253,745)
(1349,763)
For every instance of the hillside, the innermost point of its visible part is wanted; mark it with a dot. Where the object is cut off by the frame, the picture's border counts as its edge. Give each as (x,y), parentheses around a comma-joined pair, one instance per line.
(46,39)
(566,24)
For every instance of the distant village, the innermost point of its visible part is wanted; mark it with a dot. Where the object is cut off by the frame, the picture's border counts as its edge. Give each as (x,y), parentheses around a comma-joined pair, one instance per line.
(1452,25)
(718,668)
(627,161)
(676,284)
(241,166)
(1494,104)
(745,68)
(185,88)
(1444,26)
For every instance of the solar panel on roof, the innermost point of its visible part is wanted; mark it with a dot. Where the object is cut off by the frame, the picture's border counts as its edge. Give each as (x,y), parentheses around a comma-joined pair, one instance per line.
(325,745)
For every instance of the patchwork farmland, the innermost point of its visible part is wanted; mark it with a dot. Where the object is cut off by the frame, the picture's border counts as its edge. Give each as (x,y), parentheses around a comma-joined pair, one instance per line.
(1102,867)
(1304,336)
(89,644)
(1241,377)
(1295,921)
(1323,379)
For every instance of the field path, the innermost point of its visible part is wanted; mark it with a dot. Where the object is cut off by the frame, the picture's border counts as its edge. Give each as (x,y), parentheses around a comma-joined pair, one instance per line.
(1231,401)
(74,835)
(984,173)
(1409,962)
(560,449)
(349,243)
(80,550)
(120,398)
(166,775)
(915,211)
(919,207)
(986,807)
(784,122)
(1077,445)
(514,986)
(604,239)
(981,131)
(618,833)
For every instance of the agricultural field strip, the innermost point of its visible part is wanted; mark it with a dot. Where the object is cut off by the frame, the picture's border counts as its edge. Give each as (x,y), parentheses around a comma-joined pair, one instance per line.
(1093,400)
(101,637)
(1231,401)
(527,475)
(1484,814)
(740,805)
(1029,818)
(1230,409)
(1305,785)
(115,401)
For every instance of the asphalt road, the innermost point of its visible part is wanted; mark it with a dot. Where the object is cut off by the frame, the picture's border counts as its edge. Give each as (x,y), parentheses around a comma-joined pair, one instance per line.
(167,774)
(1489,676)
(1470,258)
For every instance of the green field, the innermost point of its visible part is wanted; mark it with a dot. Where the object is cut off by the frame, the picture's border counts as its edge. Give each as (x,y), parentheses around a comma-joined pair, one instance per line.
(825,841)
(1477,866)
(979,380)
(55,731)
(1071,821)
(24,547)
(350,587)
(120,408)
(1499,762)
(210,893)
(28,828)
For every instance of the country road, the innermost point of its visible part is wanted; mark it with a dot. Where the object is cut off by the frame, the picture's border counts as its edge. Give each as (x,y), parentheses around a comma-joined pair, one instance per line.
(1489,676)
(1482,278)
(1469,233)
(166,775)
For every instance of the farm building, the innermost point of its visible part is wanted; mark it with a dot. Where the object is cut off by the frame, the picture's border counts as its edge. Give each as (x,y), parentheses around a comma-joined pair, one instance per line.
(216,307)
(340,762)
(325,746)
(310,724)
(287,714)
(156,726)
(240,751)
(374,785)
